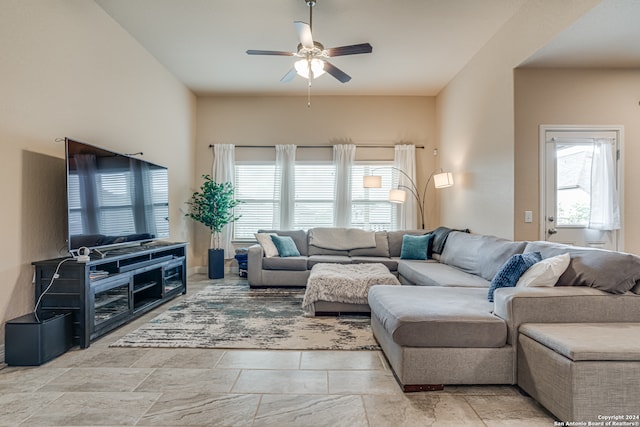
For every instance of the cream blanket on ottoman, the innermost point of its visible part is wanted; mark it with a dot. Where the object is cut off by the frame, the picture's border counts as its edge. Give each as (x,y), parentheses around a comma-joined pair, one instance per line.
(346,283)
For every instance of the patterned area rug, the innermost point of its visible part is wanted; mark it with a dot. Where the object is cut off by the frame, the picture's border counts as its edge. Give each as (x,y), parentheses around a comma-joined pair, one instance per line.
(235,316)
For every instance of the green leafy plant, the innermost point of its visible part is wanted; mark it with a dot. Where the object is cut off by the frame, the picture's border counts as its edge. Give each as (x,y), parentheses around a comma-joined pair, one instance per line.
(213,206)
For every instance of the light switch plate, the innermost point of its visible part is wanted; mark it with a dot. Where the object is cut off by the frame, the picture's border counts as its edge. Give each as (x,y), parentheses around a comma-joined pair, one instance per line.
(528,216)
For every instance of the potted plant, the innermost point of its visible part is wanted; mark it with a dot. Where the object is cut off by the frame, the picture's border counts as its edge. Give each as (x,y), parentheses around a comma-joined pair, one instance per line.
(213,206)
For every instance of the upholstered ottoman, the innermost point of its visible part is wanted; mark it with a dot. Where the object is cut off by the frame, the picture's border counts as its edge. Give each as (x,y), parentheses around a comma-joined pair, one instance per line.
(343,288)
(582,372)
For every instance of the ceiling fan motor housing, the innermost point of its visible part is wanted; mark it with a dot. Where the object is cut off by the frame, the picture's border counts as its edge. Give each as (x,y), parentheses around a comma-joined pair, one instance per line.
(318,50)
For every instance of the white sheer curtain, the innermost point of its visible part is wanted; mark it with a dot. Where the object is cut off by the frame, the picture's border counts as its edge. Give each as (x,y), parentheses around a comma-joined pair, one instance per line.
(343,157)
(405,160)
(285,187)
(605,207)
(223,171)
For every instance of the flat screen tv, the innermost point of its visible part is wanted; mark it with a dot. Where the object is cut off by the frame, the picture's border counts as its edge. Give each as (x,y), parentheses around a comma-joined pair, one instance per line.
(113,199)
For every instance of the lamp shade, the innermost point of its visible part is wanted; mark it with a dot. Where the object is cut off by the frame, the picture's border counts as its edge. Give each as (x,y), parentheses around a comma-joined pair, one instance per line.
(302,67)
(372,181)
(443,180)
(397,196)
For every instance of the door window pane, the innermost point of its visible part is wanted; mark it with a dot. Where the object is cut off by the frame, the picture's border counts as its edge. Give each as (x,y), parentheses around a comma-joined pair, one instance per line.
(573,181)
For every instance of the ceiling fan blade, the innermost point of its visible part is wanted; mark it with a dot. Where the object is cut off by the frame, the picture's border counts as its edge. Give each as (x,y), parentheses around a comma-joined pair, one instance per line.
(304,34)
(336,72)
(289,76)
(269,52)
(353,49)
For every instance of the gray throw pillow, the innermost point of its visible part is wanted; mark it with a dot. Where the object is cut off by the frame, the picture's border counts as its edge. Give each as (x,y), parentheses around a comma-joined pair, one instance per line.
(609,271)
(613,272)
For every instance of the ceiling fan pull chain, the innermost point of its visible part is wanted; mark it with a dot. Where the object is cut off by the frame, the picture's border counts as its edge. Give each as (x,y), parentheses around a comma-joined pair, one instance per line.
(309,94)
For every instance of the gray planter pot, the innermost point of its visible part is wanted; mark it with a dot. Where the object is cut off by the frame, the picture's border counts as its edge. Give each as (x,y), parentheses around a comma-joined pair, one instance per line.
(216,263)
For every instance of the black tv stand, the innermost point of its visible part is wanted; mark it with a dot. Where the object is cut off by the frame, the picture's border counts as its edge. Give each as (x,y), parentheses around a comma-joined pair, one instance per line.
(105,293)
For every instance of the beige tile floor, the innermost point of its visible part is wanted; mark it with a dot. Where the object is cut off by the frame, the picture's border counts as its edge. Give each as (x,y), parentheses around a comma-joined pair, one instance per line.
(102,386)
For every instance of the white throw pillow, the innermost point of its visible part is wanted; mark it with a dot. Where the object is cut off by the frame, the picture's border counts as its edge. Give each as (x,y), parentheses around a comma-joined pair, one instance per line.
(546,272)
(269,248)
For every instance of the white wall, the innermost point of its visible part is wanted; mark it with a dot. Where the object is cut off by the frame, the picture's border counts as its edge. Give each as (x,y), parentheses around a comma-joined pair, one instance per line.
(475,116)
(372,120)
(67,69)
(575,97)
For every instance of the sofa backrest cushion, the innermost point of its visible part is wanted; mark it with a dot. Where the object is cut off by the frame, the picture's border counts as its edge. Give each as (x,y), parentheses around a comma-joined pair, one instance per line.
(299,237)
(381,249)
(314,250)
(479,254)
(610,271)
(339,240)
(395,240)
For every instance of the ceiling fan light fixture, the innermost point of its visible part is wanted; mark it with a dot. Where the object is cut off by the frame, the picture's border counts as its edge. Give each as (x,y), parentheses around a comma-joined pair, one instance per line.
(317,67)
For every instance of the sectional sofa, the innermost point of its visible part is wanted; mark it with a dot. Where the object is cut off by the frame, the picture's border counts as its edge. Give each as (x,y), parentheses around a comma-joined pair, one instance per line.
(444,330)
(385,248)
(441,327)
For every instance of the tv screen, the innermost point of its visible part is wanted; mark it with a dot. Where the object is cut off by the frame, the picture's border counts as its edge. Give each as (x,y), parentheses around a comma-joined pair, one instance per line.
(113,199)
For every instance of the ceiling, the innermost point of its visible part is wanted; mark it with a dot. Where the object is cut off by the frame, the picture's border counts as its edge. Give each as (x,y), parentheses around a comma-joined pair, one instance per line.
(418,45)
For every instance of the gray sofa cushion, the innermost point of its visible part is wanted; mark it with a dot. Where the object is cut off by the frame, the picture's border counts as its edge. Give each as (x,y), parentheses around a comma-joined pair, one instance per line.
(381,249)
(432,273)
(314,250)
(479,254)
(298,236)
(390,263)
(294,263)
(425,316)
(613,272)
(395,240)
(334,259)
(341,238)
(588,341)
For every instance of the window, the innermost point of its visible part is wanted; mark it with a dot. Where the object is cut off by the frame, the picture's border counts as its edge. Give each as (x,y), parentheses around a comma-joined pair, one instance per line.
(255,185)
(371,209)
(314,197)
(573,182)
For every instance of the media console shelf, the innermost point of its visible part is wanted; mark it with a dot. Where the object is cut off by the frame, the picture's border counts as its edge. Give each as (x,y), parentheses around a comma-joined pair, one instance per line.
(108,292)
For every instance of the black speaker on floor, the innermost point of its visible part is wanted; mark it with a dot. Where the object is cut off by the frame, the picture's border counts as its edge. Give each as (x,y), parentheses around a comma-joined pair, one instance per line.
(32,341)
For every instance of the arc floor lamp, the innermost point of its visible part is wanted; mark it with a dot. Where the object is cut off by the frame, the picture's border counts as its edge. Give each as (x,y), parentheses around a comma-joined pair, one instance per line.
(441,179)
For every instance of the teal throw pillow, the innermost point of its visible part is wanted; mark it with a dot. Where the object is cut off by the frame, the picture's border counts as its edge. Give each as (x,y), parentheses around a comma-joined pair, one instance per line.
(285,245)
(416,247)
(511,271)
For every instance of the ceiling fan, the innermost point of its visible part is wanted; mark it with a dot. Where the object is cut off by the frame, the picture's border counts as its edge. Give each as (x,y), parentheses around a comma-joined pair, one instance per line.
(313,55)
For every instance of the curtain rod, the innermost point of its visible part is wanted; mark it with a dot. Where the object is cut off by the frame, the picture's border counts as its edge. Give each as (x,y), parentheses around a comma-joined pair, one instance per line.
(316,146)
